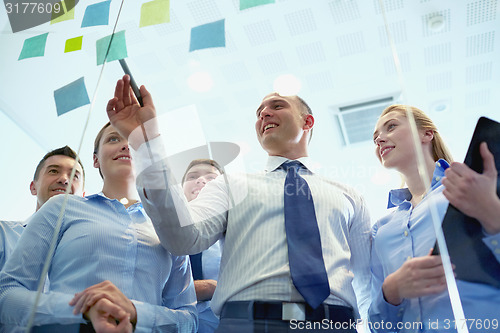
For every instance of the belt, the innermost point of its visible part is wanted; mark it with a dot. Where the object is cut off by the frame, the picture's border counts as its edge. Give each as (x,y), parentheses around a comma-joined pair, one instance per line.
(286,311)
(76,328)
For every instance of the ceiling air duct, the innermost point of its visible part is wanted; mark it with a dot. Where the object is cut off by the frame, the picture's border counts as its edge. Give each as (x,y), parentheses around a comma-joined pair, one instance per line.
(357,120)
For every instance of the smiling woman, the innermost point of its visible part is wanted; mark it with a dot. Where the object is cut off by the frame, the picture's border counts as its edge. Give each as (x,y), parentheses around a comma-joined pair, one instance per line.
(106,252)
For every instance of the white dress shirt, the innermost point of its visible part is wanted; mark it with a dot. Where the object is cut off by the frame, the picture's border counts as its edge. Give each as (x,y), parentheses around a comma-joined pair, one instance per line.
(250,211)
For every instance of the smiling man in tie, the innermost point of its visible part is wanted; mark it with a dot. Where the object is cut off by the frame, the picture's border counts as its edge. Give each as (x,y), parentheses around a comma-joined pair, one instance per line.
(297,245)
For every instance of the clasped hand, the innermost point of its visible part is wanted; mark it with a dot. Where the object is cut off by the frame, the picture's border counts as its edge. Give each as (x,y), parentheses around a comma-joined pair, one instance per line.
(106,307)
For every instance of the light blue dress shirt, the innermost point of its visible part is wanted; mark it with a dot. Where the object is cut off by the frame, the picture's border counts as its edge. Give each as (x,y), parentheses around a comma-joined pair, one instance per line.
(248,210)
(210,265)
(99,240)
(10,231)
(408,232)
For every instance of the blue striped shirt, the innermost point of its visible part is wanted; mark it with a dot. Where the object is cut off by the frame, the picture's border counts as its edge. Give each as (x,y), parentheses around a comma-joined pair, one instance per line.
(99,240)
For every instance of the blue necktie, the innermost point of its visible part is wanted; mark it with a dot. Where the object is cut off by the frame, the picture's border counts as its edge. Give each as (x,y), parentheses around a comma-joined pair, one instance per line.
(304,244)
(196,267)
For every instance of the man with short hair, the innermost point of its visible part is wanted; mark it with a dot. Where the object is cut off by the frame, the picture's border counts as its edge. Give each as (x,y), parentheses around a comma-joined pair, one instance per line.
(51,178)
(261,287)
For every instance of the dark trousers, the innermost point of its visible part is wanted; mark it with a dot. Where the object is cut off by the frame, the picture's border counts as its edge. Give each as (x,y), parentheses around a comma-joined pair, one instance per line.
(266,317)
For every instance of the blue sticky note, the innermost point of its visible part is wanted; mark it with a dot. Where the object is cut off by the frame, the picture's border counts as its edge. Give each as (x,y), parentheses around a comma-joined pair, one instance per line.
(117,50)
(96,14)
(71,96)
(34,47)
(207,36)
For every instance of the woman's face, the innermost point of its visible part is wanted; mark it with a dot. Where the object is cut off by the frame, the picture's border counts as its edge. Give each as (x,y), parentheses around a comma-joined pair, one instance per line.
(394,145)
(113,157)
(196,178)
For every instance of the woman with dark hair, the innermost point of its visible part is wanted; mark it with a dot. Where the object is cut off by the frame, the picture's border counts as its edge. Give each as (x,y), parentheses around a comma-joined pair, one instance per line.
(108,266)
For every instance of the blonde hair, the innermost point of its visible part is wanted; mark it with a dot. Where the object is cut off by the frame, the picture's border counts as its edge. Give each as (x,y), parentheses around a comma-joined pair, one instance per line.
(439,149)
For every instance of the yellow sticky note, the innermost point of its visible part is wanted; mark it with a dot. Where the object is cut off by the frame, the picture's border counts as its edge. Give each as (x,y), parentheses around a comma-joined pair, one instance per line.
(73,44)
(155,12)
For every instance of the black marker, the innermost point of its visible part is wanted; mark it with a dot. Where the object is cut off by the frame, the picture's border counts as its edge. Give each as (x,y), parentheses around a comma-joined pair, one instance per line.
(137,93)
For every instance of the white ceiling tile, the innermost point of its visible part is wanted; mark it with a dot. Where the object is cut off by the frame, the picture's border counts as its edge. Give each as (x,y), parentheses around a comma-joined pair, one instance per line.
(480,43)
(312,53)
(204,11)
(478,73)
(344,11)
(481,11)
(259,33)
(477,98)
(397,30)
(272,63)
(350,44)
(439,81)
(300,22)
(388,5)
(437,54)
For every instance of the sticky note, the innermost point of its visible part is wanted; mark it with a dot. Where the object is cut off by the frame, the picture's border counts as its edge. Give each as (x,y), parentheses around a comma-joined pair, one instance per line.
(96,14)
(63,14)
(244,4)
(73,44)
(34,47)
(155,12)
(71,96)
(118,49)
(207,36)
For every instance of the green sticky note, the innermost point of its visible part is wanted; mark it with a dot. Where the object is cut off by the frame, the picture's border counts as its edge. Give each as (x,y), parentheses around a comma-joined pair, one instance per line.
(245,4)
(155,12)
(71,96)
(117,50)
(62,8)
(207,36)
(73,44)
(34,47)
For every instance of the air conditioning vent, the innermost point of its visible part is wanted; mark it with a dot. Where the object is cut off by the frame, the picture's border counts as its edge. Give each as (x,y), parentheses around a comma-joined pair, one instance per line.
(357,120)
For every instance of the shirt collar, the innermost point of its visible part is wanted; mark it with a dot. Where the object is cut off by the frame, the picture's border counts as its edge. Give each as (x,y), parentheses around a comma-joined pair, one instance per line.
(401,195)
(274,162)
(103,196)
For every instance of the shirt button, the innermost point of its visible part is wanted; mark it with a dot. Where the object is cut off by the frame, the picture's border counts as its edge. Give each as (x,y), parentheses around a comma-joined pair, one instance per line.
(438,164)
(494,242)
(406,233)
(408,258)
(438,178)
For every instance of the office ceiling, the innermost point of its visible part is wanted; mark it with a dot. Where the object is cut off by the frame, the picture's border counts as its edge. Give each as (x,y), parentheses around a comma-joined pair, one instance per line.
(341,51)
